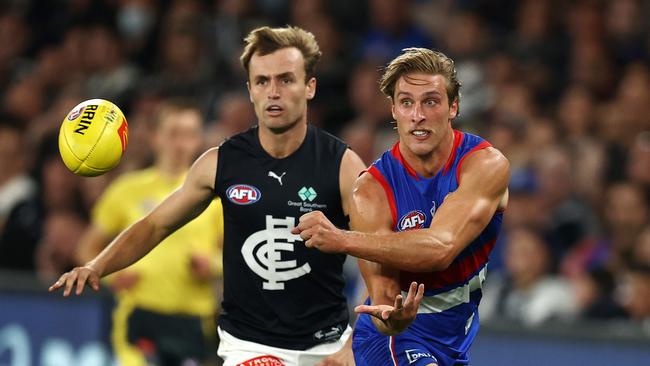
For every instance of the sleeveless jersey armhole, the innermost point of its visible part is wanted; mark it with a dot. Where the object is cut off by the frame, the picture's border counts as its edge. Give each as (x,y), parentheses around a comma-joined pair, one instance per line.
(375,173)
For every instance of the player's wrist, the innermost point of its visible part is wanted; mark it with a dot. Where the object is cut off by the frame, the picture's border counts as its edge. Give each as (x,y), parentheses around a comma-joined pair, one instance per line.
(95,267)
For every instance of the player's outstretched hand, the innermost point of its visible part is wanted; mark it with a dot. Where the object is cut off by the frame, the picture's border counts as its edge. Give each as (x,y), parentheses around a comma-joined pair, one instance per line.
(318,232)
(78,277)
(392,320)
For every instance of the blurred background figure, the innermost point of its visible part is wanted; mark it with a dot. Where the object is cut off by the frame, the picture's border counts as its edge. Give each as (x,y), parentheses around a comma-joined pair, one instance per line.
(234,114)
(529,293)
(56,251)
(17,191)
(166,301)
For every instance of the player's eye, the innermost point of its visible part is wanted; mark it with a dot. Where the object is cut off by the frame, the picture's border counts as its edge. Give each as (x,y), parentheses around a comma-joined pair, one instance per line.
(430,102)
(406,102)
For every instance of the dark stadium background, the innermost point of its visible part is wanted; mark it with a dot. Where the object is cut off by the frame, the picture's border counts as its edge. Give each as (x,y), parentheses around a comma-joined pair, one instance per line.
(561,87)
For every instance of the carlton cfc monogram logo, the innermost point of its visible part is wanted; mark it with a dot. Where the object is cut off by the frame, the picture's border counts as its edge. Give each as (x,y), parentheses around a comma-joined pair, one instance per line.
(262,253)
(243,194)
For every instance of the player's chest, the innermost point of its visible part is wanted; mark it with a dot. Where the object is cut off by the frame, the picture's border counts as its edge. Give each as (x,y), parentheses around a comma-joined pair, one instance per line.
(288,190)
(417,207)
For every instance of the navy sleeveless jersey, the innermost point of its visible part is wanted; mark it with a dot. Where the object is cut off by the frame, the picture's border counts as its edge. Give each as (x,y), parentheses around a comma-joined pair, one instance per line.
(276,291)
(448,314)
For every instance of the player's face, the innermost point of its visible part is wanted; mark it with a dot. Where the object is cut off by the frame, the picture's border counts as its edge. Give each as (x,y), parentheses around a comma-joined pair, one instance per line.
(422,111)
(278,90)
(179,138)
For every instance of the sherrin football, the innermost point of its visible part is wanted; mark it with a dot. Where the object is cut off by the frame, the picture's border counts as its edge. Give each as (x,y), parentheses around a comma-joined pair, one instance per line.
(93,137)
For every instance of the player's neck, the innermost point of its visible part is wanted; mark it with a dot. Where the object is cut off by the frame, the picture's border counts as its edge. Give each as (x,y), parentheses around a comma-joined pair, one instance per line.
(281,145)
(170,169)
(430,164)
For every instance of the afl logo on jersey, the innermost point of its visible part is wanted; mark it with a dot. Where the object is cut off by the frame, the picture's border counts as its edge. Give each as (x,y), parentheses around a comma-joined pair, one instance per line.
(243,194)
(412,220)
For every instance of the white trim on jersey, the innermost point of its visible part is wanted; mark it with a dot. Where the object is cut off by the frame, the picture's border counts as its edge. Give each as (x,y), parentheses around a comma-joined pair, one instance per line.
(447,300)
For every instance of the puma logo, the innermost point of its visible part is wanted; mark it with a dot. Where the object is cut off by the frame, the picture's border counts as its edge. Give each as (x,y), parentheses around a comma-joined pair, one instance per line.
(275,176)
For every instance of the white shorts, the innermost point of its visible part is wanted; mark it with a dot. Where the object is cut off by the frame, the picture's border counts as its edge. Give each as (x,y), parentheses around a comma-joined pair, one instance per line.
(237,352)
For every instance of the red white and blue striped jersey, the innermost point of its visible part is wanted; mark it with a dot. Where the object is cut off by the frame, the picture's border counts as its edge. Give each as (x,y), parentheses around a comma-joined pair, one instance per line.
(448,314)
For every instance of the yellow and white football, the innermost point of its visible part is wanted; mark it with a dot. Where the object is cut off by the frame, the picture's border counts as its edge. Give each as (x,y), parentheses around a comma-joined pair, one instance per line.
(93,137)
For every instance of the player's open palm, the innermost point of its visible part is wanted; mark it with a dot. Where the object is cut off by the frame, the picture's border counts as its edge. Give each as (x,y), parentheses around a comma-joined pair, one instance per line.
(77,279)
(392,320)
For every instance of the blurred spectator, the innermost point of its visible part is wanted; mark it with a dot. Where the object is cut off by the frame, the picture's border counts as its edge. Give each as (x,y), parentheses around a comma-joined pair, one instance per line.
(539,49)
(56,252)
(468,45)
(635,293)
(110,76)
(594,291)
(568,218)
(153,314)
(641,250)
(232,21)
(18,192)
(626,215)
(183,66)
(392,29)
(624,25)
(136,25)
(360,137)
(234,115)
(15,37)
(370,107)
(528,293)
(328,109)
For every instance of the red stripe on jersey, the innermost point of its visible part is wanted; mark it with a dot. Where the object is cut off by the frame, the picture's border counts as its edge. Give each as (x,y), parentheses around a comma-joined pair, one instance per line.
(458,139)
(392,351)
(389,192)
(478,147)
(398,155)
(457,273)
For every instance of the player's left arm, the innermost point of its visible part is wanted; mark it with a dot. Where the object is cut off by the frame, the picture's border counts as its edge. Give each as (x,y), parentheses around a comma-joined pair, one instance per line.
(459,219)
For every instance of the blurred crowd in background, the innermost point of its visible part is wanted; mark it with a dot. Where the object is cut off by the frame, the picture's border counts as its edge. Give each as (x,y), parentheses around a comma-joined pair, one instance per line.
(562,88)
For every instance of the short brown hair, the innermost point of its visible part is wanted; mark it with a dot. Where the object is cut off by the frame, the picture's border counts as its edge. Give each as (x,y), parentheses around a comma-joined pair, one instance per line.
(174,105)
(266,40)
(421,60)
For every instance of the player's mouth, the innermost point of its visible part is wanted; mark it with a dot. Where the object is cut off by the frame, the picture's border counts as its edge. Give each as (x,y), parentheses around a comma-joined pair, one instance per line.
(421,134)
(274,110)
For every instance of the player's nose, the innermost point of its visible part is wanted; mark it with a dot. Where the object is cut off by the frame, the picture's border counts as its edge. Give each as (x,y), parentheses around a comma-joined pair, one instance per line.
(417,115)
(274,90)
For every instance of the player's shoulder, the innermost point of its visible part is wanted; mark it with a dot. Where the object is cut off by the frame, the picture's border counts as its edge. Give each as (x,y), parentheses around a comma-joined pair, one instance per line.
(327,139)
(241,140)
(488,157)
(486,164)
(367,186)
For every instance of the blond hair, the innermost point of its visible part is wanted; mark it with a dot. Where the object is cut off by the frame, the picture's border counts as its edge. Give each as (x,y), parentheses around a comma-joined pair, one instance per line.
(421,60)
(266,40)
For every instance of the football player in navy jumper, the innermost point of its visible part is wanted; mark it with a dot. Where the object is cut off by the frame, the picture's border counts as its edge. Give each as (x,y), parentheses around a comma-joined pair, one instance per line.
(283,303)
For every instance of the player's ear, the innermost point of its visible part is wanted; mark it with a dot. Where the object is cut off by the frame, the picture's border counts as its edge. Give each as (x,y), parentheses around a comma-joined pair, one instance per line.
(311,88)
(453,109)
(392,108)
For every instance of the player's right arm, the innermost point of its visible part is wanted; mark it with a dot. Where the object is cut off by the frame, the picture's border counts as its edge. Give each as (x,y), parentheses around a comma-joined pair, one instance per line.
(179,208)
(370,213)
